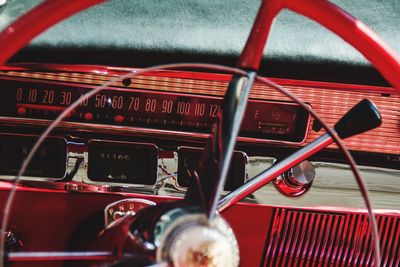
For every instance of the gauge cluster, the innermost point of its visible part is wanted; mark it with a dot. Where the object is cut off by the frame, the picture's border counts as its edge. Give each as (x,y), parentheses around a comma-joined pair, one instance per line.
(106,162)
(264,120)
(122,135)
(89,149)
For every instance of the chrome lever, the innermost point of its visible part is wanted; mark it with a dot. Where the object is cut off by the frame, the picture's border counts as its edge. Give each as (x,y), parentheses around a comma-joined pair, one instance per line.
(214,164)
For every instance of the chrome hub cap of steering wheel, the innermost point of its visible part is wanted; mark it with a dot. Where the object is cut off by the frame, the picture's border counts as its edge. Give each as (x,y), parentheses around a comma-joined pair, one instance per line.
(192,241)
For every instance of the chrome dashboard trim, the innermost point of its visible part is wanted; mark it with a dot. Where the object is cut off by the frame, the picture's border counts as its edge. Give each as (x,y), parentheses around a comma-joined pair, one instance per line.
(136,131)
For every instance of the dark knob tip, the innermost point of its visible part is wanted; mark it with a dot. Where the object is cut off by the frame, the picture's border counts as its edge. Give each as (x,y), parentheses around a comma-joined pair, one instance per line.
(361,118)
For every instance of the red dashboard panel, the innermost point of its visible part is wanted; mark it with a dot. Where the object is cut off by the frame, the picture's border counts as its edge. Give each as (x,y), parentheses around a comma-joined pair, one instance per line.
(279,231)
(267,235)
(54,224)
(330,100)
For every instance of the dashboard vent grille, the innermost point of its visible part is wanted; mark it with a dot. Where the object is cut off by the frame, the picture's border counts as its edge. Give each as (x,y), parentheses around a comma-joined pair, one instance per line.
(306,238)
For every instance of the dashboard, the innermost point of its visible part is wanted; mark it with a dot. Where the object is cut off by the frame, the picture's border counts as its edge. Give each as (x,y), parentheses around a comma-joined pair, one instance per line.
(164,117)
(141,135)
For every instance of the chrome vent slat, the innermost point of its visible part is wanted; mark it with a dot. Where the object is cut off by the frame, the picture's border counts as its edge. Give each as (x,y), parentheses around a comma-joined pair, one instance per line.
(315,245)
(278,250)
(303,237)
(396,255)
(272,235)
(309,238)
(337,241)
(395,240)
(294,239)
(384,243)
(351,239)
(363,242)
(321,252)
(288,248)
(343,242)
(309,245)
(279,218)
(330,240)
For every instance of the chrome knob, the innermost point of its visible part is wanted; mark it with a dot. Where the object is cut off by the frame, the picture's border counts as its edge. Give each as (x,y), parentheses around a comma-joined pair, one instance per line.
(297,180)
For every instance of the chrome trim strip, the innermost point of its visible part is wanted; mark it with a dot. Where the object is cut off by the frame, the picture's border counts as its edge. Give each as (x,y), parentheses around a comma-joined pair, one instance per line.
(136,131)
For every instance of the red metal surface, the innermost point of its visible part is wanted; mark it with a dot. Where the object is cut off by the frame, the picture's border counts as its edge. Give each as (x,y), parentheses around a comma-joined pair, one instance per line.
(37,20)
(57,214)
(253,51)
(333,18)
(46,219)
(41,107)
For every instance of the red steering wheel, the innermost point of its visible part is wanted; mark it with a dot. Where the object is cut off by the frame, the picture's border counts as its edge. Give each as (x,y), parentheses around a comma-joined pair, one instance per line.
(325,13)
(353,31)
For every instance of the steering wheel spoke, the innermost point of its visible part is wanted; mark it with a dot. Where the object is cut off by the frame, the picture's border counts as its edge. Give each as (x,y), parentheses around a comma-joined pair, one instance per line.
(215,161)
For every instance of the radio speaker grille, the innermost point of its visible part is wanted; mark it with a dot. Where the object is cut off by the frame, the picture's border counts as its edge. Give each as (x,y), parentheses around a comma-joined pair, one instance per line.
(306,238)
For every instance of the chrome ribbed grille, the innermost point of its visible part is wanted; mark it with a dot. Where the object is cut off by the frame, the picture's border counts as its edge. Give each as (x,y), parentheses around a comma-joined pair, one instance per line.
(305,238)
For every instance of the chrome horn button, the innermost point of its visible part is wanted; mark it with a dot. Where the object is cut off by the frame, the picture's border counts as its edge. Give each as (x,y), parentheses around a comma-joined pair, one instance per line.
(192,241)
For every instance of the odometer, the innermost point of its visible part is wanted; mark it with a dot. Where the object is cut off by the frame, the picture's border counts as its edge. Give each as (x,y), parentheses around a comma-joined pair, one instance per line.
(122,162)
(149,109)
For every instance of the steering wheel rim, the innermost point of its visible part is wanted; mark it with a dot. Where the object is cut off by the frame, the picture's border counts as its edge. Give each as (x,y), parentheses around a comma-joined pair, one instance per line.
(323,12)
(327,14)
